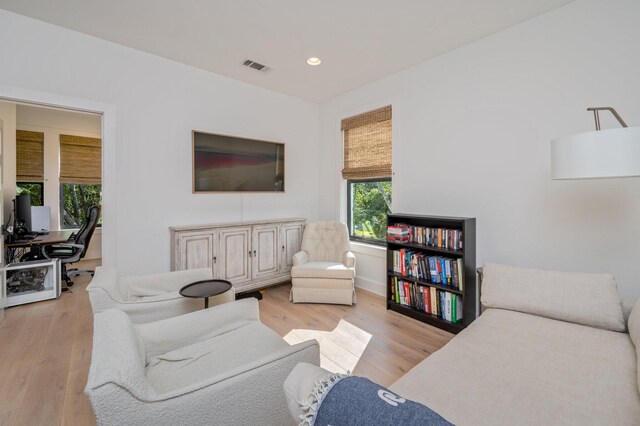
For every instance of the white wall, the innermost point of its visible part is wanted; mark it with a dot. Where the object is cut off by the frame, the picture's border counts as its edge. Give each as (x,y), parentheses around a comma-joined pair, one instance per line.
(8,117)
(2,283)
(157,104)
(53,123)
(471,138)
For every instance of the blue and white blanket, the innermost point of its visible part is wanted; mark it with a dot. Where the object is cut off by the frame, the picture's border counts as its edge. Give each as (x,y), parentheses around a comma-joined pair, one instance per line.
(354,401)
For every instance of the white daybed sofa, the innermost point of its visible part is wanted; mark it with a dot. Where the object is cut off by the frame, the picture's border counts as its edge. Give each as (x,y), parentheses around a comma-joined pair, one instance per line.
(550,348)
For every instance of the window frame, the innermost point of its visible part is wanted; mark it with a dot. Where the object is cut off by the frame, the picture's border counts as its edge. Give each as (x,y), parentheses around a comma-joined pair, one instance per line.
(355,238)
(41,184)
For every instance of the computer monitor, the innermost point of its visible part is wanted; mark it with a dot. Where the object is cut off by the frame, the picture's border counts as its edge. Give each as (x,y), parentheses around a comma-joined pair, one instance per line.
(22,222)
(40,219)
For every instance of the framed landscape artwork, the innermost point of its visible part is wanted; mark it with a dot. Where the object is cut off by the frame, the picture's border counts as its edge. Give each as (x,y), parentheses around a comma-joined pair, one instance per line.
(224,163)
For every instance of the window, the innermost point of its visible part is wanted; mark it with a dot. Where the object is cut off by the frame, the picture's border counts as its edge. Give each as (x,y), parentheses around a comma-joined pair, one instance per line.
(34,189)
(369,204)
(75,199)
(80,178)
(30,165)
(367,169)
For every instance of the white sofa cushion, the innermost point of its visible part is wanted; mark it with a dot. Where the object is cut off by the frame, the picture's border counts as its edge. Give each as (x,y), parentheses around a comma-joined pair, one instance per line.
(581,298)
(323,270)
(206,359)
(634,333)
(513,368)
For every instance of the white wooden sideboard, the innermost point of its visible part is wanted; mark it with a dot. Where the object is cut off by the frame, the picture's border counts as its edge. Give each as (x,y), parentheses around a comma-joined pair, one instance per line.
(251,255)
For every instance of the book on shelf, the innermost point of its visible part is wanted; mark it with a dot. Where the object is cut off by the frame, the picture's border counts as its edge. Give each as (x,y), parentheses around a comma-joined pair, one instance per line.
(434,301)
(429,269)
(460,268)
(397,240)
(440,303)
(398,234)
(450,239)
(454,309)
(447,306)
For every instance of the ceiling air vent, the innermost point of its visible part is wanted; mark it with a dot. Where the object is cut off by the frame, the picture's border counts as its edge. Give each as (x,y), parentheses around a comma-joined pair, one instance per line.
(256,65)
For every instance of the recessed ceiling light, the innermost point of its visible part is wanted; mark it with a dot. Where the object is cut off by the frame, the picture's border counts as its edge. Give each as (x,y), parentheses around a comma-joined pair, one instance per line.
(314,61)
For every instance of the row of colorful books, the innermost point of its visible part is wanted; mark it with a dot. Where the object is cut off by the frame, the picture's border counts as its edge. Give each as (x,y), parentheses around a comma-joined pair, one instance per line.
(445,305)
(431,269)
(435,237)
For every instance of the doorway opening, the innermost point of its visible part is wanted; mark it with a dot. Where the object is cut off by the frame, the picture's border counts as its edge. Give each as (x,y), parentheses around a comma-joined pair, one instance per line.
(52,157)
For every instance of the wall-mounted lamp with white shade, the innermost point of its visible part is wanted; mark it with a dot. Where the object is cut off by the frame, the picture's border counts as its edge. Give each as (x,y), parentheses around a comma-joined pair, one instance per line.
(599,154)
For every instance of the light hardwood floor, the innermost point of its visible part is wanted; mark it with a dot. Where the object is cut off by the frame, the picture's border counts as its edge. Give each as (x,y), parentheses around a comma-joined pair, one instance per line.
(45,348)
(397,343)
(45,351)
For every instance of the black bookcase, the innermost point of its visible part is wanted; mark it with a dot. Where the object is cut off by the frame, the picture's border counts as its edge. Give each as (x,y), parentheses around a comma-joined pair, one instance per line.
(467,254)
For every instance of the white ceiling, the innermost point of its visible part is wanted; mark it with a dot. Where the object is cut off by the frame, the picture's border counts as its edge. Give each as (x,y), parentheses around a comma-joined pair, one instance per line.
(359,41)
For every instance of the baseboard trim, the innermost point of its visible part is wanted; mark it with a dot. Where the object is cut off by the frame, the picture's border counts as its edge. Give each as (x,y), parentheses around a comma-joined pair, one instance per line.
(371,286)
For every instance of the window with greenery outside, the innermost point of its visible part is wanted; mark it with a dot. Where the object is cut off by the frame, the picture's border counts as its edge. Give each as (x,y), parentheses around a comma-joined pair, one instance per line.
(369,205)
(34,189)
(367,170)
(75,199)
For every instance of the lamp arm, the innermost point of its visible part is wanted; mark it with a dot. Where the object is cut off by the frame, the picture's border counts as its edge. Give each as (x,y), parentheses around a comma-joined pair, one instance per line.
(611,110)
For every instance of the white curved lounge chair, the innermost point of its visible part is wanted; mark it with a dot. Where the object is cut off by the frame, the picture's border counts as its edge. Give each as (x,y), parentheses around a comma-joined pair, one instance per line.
(148,298)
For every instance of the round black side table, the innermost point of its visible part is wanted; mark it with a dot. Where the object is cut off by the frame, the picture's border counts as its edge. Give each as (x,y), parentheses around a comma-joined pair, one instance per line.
(206,289)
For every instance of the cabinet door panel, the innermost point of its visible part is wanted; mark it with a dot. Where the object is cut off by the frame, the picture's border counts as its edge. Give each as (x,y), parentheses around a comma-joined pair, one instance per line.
(234,254)
(291,238)
(265,251)
(196,251)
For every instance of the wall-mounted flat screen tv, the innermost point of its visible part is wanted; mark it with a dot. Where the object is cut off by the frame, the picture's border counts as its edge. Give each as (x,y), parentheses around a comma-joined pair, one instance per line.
(232,164)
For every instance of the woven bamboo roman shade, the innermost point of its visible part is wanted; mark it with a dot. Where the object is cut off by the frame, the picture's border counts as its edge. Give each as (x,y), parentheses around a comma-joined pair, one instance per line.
(367,145)
(80,160)
(29,156)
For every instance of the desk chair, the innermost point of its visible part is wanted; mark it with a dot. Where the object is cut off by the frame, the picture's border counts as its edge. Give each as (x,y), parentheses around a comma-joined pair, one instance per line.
(76,247)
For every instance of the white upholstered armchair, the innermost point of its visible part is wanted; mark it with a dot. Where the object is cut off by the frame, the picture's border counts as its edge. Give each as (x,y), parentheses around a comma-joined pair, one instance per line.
(148,298)
(216,366)
(324,270)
